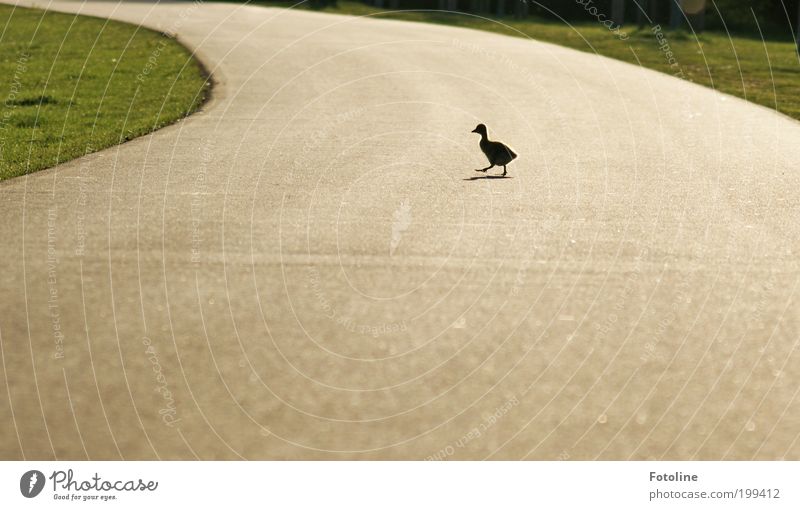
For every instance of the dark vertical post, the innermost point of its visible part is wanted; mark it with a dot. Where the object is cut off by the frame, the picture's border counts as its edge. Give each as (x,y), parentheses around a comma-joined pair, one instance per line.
(520,9)
(618,12)
(699,20)
(641,12)
(797,29)
(675,14)
(695,13)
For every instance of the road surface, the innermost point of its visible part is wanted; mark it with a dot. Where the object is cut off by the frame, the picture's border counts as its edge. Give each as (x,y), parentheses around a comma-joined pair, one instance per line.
(310,268)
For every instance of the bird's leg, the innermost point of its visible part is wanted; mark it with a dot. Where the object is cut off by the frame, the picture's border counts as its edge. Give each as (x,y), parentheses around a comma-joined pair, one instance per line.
(484,169)
(504,170)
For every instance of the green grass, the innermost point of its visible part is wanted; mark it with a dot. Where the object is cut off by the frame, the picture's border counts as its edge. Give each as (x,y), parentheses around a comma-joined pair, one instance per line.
(764,72)
(71,85)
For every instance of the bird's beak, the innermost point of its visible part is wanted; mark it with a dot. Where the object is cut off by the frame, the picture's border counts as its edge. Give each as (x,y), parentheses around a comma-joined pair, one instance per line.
(474,130)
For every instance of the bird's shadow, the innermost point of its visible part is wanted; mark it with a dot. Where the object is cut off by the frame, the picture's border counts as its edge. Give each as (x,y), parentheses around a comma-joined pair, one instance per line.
(480,177)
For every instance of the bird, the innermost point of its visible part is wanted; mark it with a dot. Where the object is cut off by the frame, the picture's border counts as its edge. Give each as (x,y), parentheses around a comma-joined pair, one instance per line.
(497,153)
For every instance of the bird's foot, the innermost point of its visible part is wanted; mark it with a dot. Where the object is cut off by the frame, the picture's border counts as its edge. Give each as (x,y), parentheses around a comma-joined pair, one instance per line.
(481,170)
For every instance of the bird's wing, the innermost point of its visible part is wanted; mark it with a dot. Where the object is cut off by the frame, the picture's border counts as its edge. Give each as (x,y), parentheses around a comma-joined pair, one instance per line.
(498,150)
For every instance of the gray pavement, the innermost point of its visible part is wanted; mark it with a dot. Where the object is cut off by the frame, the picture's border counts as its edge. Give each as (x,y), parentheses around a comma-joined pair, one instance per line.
(304,269)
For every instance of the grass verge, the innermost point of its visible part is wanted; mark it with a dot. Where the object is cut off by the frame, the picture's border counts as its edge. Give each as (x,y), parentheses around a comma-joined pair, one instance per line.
(71,85)
(765,71)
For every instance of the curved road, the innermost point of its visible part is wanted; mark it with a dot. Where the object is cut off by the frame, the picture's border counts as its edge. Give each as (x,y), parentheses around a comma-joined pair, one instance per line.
(305,269)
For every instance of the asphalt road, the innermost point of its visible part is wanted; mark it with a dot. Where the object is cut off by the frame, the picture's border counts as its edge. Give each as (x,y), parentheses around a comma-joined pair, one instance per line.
(308,268)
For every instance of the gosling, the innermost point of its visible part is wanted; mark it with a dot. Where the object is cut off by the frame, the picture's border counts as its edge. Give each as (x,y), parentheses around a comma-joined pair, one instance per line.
(497,153)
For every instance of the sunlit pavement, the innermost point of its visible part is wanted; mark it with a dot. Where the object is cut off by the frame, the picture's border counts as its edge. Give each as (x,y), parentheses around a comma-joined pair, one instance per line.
(304,269)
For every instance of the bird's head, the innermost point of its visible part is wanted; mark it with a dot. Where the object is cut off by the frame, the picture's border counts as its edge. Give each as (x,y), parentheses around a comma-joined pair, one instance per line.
(480,129)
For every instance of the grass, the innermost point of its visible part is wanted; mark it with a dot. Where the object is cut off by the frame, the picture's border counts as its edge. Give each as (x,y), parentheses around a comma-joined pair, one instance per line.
(71,85)
(766,72)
